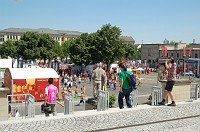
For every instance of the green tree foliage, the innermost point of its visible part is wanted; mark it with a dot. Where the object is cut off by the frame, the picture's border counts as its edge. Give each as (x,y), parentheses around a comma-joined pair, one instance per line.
(79,50)
(26,46)
(107,40)
(172,42)
(101,46)
(48,47)
(8,49)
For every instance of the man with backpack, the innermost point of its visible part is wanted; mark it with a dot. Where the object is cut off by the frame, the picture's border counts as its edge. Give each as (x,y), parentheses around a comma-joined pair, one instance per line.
(125,87)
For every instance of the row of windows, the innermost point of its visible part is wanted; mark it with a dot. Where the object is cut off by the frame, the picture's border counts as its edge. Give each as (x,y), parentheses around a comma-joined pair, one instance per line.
(1,39)
(12,37)
(56,38)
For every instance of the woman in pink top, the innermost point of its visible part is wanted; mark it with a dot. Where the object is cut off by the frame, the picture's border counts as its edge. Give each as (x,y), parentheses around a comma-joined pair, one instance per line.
(51,93)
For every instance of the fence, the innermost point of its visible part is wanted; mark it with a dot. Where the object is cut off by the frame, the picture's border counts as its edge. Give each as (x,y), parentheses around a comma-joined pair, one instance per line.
(156,95)
(194,91)
(102,100)
(68,103)
(134,97)
(21,106)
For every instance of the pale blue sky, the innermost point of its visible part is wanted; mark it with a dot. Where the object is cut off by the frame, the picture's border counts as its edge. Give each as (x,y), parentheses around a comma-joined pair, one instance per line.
(147,20)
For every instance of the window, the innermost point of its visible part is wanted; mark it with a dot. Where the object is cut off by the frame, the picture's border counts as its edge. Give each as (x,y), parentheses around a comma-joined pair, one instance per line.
(196,55)
(1,38)
(172,54)
(177,55)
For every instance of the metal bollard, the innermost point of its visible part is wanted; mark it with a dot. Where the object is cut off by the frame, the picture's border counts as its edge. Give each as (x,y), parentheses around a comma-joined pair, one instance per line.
(68,104)
(134,97)
(156,95)
(102,100)
(194,91)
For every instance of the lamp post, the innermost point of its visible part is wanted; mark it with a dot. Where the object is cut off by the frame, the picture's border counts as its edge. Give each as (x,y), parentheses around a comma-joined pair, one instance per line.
(20,62)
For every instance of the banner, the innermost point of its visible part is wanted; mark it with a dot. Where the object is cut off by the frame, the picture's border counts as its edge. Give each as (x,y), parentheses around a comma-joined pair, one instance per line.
(190,51)
(165,51)
(184,51)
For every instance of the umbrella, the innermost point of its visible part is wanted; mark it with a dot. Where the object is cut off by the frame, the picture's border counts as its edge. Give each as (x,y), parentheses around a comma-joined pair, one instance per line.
(139,69)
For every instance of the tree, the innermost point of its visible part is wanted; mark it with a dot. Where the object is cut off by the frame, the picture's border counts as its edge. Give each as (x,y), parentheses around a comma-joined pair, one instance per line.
(27,44)
(172,42)
(131,52)
(79,51)
(65,48)
(8,49)
(48,48)
(107,44)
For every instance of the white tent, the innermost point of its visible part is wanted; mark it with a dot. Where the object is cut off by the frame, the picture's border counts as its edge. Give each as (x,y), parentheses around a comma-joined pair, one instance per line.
(139,69)
(29,73)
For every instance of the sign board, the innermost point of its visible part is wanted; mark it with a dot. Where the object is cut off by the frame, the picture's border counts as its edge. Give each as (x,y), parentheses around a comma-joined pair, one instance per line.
(191,61)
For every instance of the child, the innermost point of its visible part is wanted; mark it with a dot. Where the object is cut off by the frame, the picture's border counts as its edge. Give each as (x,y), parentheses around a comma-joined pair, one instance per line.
(79,79)
(63,93)
(70,89)
(83,89)
(76,92)
(114,83)
(81,98)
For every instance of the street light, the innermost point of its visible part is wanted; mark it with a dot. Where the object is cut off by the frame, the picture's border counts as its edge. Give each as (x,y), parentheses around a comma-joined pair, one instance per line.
(20,62)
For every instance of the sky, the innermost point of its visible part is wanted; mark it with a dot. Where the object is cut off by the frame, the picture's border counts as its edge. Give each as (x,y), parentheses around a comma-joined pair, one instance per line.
(147,21)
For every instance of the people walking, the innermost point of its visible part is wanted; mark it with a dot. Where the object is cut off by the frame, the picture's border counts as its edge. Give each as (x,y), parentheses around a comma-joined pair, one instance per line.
(51,92)
(171,66)
(125,87)
(99,76)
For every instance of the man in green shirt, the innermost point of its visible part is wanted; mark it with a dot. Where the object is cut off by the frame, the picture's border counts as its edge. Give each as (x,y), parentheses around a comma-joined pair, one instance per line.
(125,87)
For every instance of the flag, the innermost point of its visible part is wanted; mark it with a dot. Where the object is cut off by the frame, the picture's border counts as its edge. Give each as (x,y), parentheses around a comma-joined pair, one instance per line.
(165,51)
(190,51)
(184,51)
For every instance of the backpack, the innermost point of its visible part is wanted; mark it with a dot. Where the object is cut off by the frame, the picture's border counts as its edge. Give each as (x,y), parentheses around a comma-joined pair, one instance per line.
(132,81)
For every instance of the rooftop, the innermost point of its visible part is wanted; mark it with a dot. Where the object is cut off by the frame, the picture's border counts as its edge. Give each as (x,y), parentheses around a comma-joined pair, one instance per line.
(40,31)
(127,38)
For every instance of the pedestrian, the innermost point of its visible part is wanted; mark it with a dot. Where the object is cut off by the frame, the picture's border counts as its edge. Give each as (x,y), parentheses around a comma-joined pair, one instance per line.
(81,98)
(171,66)
(76,92)
(51,92)
(83,89)
(79,80)
(70,89)
(99,77)
(125,87)
(63,94)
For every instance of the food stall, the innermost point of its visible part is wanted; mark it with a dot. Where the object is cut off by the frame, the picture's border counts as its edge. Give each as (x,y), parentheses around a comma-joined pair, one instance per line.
(29,81)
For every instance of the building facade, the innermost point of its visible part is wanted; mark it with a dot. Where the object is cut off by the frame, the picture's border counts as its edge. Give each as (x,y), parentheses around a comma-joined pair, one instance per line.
(14,34)
(151,53)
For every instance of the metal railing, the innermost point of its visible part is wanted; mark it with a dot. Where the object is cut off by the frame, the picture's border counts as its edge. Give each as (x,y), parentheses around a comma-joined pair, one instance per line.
(68,103)
(156,95)
(134,97)
(102,100)
(194,91)
(21,106)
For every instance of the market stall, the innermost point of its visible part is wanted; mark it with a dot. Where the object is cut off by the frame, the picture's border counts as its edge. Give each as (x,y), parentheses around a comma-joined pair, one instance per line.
(29,80)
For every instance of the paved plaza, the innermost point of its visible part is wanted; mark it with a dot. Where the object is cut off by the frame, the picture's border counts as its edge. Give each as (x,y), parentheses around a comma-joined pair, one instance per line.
(185,116)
